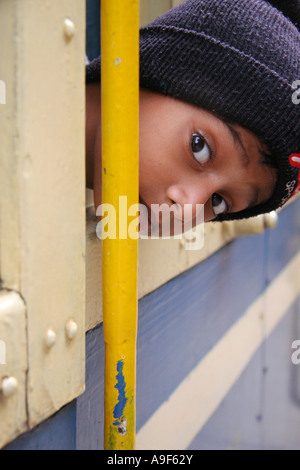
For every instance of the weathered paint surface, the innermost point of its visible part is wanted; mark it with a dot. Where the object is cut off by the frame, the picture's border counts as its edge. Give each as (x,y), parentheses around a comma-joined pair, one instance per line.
(123,413)
(119,408)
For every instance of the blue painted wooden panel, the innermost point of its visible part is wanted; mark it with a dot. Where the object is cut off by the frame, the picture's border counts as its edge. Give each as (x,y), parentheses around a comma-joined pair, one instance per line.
(181,321)
(262,410)
(90,406)
(284,242)
(178,324)
(56,433)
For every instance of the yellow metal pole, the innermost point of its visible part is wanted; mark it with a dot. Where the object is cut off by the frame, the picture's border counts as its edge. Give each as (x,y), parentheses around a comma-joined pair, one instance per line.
(120,103)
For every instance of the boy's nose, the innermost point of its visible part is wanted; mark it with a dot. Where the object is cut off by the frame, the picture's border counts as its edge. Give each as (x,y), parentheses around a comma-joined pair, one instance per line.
(189,199)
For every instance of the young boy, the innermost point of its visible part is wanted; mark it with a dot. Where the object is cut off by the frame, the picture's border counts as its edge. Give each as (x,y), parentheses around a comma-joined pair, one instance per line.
(218,125)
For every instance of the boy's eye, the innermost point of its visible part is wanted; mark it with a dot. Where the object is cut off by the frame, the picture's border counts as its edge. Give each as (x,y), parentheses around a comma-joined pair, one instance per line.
(200,149)
(219,205)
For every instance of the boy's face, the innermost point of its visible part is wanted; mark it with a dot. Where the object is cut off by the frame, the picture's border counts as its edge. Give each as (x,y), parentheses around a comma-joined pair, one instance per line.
(190,156)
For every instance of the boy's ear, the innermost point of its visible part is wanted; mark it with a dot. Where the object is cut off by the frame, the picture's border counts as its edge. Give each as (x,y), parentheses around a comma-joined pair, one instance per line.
(290,8)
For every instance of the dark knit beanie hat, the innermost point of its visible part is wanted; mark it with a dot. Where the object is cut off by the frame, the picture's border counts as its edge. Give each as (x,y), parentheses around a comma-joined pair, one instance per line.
(239,59)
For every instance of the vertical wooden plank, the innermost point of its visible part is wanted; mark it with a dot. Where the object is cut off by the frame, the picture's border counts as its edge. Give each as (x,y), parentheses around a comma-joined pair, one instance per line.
(42,180)
(53,197)
(9,158)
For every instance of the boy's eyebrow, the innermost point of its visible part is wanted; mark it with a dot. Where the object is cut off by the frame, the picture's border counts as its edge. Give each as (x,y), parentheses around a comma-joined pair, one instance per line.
(237,140)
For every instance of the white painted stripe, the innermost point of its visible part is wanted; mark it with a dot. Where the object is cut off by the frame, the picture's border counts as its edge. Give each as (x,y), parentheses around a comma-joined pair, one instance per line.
(178,420)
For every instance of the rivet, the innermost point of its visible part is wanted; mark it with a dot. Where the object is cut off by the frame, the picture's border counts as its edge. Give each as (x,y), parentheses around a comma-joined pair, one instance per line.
(69,28)
(117,61)
(50,338)
(9,386)
(71,329)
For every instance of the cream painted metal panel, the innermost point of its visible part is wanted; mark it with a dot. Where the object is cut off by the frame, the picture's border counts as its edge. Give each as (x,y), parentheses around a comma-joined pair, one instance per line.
(13,366)
(9,174)
(42,180)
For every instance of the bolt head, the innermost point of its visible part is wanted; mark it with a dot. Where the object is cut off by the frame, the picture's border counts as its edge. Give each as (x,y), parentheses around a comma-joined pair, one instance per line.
(68,28)
(50,338)
(9,386)
(71,329)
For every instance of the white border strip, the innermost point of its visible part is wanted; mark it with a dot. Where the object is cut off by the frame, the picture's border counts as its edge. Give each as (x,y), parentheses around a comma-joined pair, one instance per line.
(178,420)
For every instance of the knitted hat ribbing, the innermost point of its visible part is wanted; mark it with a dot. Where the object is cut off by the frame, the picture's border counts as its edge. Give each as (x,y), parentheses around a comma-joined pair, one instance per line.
(238,59)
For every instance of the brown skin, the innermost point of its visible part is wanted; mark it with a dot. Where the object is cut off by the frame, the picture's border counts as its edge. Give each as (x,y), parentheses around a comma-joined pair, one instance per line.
(187,156)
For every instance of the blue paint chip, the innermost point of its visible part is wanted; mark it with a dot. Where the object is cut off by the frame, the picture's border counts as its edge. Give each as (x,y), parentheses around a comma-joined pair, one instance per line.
(122,400)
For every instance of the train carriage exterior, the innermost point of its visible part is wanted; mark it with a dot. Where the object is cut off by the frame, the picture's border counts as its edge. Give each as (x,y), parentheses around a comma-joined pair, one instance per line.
(217,362)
